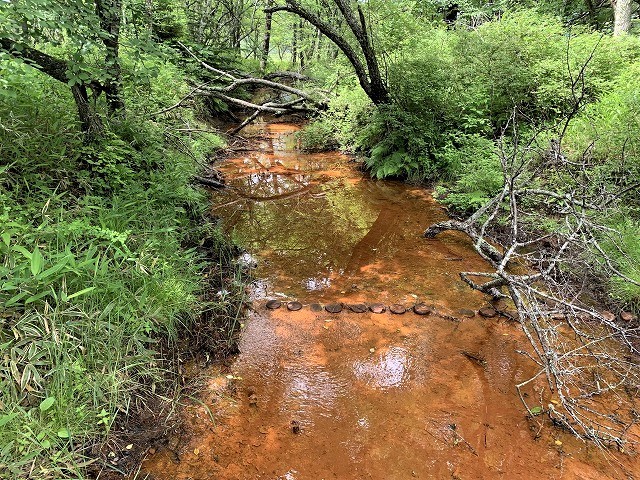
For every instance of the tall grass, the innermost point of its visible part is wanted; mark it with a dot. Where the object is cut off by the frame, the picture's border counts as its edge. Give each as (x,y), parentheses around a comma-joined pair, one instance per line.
(102,259)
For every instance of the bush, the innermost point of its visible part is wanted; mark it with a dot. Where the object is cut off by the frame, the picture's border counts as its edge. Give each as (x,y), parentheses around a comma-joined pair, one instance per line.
(317,136)
(476,167)
(461,83)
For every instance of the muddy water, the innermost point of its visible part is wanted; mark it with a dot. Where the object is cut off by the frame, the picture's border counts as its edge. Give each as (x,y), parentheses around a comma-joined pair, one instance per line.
(315,395)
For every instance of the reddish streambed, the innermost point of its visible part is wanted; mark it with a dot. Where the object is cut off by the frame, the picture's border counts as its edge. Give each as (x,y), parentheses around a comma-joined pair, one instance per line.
(314,395)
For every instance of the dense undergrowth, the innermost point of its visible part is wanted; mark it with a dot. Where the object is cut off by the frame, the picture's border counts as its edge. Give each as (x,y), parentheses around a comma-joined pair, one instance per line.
(103,247)
(460,94)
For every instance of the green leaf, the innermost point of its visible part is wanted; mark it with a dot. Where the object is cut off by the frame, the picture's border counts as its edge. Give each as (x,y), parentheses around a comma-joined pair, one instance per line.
(5,419)
(45,444)
(15,299)
(55,269)
(47,403)
(35,298)
(63,433)
(81,292)
(536,410)
(37,261)
(23,251)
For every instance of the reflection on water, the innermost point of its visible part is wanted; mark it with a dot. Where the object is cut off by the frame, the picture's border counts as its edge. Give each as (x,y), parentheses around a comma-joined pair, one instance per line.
(310,391)
(384,370)
(318,225)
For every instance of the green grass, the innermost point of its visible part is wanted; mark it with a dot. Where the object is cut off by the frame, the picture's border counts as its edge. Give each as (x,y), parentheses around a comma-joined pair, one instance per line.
(103,250)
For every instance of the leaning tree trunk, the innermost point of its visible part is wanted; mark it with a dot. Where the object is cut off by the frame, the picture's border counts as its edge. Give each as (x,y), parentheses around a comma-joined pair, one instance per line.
(368,72)
(57,69)
(622,16)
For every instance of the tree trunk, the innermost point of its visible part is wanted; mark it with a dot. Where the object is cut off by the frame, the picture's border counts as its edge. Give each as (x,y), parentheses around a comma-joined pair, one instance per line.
(90,122)
(622,16)
(368,73)
(266,42)
(110,15)
(294,46)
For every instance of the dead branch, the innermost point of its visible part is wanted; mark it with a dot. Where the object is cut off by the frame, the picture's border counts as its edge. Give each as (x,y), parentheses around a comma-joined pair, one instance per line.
(587,357)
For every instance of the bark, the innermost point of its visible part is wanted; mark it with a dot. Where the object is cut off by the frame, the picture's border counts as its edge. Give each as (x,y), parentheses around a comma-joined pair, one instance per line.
(622,16)
(57,68)
(90,122)
(294,46)
(368,72)
(266,42)
(110,14)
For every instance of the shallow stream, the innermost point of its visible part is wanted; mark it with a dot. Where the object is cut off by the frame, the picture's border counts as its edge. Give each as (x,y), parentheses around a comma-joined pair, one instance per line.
(317,395)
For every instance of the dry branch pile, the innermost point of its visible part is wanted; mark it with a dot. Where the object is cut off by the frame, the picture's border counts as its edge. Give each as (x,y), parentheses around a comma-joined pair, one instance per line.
(590,357)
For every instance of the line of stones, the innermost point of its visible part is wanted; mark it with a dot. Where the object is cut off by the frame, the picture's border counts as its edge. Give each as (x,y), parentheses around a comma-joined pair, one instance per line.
(398,309)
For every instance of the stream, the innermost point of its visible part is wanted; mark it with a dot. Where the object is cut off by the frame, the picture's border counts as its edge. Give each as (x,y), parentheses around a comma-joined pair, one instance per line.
(317,395)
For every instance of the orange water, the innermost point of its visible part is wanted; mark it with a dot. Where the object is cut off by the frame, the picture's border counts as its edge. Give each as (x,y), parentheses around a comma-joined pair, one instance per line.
(314,395)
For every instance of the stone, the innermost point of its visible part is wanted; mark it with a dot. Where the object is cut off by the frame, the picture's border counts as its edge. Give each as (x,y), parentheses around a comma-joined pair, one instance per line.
(422,309)
(294,306)
(397,309)
(627,316)
(295,427)
(274,304)
(315,307)
(333,308)
(608,316)
(465,312)
(378,308)
(488,312)
(358,308)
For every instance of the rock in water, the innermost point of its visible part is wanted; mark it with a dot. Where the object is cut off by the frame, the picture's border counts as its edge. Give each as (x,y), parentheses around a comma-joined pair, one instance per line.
(333,308)
(627,316)
(397,309)
(608,316)
(487,312)
(316,307)
(358,308)
(294,306)
(422,309)
(378,308)
(274,304)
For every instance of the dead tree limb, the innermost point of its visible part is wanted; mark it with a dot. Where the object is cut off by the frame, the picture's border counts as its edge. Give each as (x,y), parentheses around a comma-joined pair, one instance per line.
(226,83)
(589,357)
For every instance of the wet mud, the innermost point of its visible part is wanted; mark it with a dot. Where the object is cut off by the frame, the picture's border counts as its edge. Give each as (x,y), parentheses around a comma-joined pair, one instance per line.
(370,394)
